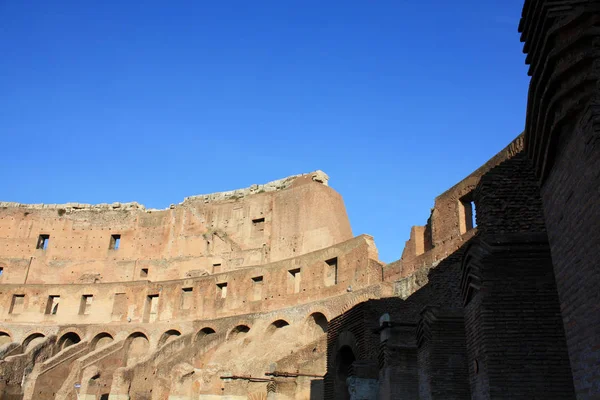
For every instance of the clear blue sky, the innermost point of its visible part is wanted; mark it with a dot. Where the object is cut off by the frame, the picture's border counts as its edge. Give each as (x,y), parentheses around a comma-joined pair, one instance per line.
(103,101)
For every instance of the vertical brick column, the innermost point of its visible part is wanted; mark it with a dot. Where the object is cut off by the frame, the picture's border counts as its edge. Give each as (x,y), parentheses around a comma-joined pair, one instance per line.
(398,377)
(562,42)
(442,355)
(515,339)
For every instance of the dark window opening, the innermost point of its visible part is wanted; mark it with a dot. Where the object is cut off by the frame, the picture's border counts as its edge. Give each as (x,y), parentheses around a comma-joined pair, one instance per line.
(186,298)
(294,278)
(467,214)
(115,242)
(257,288)
(222,289)
(331,272)
(258,224)
(86,304)
(1,271)
(17,304)
(43,241)
(151,312)
(144,273)
(52,305)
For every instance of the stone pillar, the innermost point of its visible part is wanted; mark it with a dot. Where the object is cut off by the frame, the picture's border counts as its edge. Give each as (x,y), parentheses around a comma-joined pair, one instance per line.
(515,340)
(563,141)
(442,355)
(398,361)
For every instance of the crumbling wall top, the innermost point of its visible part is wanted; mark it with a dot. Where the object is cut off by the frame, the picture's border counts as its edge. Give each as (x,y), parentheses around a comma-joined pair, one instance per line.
(276,185)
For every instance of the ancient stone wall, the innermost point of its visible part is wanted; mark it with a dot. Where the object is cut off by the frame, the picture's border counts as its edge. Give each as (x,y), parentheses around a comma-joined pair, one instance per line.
(320,274)
(203,235)
(561,43)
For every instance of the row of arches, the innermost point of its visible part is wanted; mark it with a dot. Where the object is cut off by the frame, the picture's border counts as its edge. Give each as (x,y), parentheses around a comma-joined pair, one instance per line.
(317,323)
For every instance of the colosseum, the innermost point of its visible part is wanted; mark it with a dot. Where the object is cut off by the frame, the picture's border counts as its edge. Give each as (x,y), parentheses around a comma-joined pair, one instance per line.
(265,292)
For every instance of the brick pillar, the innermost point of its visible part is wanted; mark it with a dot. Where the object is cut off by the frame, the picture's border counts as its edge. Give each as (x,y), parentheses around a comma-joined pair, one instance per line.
(442,355)
(563,141)
(398,377)
(515,339)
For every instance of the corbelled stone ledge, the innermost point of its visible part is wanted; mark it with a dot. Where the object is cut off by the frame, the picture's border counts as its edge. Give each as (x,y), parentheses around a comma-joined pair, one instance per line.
(279,184)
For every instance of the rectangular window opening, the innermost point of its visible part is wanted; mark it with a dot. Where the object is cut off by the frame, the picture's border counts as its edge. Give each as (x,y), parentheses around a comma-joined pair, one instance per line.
(86,304)
(222,289)
(43,241)
(466,214)
(331,272)
(258,224)
(257,287)
(294,277)
(115,242)
(1,271)
(151,312)
(187,298)
(17,304)
(144,273)
(119,306)
(52,305)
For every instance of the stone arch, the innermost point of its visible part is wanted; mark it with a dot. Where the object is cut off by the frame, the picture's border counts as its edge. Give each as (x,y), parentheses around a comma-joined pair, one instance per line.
(32,340)
(277,325)
(5,338)
(237,331)
(204,332)
(168,336)
(318,320)
(68,339)
(137,346)
(100,340)
(346,352)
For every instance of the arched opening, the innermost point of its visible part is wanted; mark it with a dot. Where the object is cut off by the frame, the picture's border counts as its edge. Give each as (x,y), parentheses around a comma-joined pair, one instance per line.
(101,340)
(239,331)
(319,321)
(4,338)
(277,325)
(168,336)
(137,347)
(343,361)
(32,340)
(203,332)
(68,339)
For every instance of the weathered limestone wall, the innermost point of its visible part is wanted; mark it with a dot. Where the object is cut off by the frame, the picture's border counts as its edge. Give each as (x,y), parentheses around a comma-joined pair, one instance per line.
(262,288)
(203,235)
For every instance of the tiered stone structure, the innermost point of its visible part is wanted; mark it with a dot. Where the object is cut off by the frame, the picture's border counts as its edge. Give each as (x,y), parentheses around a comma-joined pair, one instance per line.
(121,301)
(264,293)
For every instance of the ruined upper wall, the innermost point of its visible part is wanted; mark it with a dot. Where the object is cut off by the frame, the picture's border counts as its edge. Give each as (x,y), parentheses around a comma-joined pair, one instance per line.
(203,235)
(450,223)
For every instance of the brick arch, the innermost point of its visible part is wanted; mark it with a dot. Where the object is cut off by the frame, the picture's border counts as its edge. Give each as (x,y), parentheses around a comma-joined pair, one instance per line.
(99,336)
(241,327)
(31,337)
(346,352)
(207,330)
(78,331)
(4,333)
(68,338)
(168,335)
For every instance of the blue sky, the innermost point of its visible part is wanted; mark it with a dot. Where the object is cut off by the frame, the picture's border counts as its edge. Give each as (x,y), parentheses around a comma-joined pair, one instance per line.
(103,101)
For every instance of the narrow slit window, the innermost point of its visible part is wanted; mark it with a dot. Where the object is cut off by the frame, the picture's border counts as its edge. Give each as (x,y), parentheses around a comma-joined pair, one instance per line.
(222,289)
(43,241)
(1,271)
(115,242)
